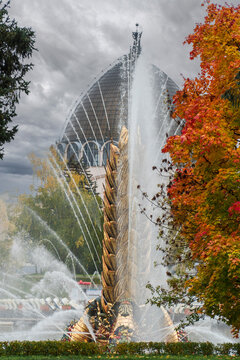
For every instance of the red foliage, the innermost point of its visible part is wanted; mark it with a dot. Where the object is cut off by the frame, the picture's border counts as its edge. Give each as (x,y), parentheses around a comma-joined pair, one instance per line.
(205,192)
(235,208)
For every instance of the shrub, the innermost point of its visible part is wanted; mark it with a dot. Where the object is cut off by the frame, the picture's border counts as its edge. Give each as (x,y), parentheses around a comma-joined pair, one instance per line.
(24,348)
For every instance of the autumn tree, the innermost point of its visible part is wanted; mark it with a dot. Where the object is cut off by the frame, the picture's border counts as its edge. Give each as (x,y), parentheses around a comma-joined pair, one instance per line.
(204,194)
(61,203)
(16,45)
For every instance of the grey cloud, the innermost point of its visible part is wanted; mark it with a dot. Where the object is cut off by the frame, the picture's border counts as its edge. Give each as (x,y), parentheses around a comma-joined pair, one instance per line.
(76,39)
(14,184)
(16,168)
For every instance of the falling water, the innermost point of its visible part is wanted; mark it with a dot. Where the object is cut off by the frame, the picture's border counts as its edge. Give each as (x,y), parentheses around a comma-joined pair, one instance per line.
(80,195)
(28,315)
(81,166)
(144,140)
(60,241)
(62,182)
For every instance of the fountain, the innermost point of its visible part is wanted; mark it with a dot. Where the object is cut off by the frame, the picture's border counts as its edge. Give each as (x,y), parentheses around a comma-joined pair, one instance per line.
(38,309)
(39,306)
(130,239)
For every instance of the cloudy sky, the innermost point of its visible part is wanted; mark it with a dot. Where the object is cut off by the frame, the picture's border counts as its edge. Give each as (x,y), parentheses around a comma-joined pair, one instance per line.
(76,40)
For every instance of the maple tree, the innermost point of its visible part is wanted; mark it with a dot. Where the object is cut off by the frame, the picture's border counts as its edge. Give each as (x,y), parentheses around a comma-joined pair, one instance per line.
(204,193)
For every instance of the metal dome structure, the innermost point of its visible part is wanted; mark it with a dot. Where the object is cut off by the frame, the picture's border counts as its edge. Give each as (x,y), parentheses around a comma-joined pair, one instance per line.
(94,121)
(98,115)
(98,112)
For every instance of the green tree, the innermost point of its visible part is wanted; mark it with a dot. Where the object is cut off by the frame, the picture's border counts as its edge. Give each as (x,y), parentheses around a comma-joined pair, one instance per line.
(16,45)
(78,224)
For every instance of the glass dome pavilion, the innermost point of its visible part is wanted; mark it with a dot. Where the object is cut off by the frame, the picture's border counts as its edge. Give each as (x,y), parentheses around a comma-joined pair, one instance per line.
(98,115)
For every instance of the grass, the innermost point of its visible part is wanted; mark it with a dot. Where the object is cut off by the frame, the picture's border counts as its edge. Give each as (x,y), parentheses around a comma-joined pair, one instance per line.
(121,357)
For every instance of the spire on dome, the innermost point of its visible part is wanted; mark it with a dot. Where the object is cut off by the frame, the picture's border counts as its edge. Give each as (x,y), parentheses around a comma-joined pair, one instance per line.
(136,49)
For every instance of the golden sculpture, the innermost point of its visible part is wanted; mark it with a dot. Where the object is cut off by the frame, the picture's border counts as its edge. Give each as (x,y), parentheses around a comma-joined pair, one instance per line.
(112,316)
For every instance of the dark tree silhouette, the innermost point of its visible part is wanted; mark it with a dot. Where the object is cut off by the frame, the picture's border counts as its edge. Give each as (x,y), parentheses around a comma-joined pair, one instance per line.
(16,45)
